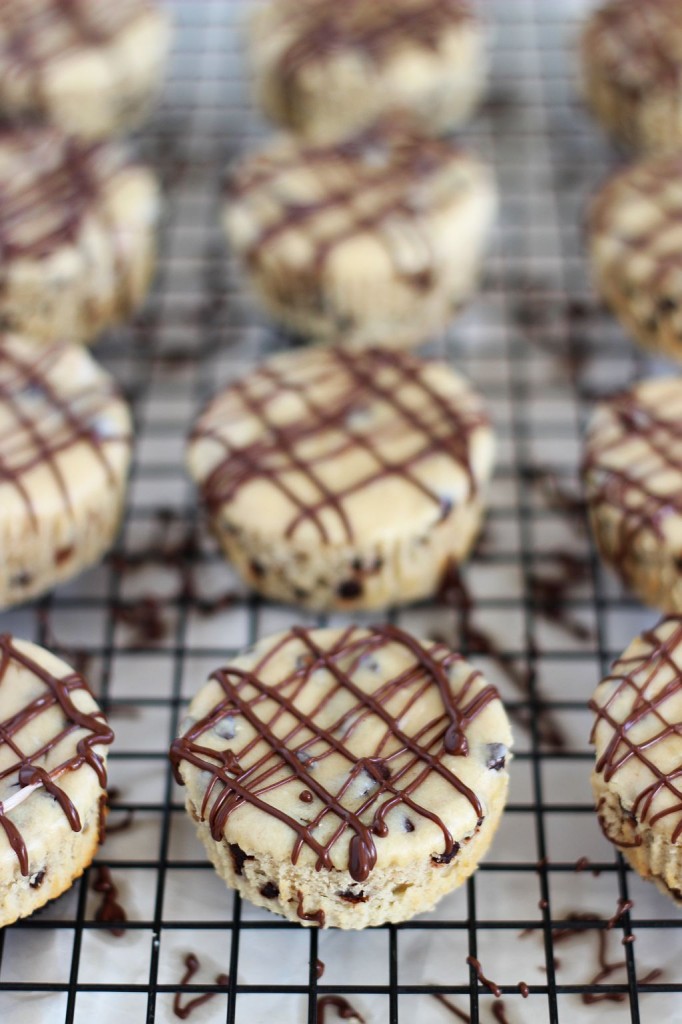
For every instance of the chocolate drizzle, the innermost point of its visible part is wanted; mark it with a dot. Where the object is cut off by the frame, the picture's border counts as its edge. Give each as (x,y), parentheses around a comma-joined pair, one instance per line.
(632,449)
(38,33)
(247,775)
(57,180)
(383,182)
(192,965)
(32,777)
(352,382)
(454,1010)
(490,985)
(635,43)
(109,910)
(321,30)
(632,726)
(343,1008)
(607,968)
(46,420)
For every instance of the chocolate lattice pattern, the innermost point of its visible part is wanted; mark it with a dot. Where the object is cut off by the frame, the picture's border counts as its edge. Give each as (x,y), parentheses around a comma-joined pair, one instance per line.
(25,765)
(280,754)
(352,382)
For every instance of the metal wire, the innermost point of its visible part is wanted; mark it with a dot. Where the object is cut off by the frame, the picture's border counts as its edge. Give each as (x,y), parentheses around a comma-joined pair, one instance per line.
(538,346)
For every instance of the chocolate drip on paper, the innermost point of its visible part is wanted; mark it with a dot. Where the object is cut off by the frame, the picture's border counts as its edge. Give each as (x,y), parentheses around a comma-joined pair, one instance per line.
(343,1009)
(454,1010)
(286,760)
(36,33)
(455,594)
(192,965)
(635,679)
(490,985)
(109,910)
(606,968)
(57,693)
(279,451)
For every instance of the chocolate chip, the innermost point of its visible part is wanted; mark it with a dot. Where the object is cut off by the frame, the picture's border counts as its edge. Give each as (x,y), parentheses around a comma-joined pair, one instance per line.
(445,858)
(226,728)
(269,891)
(353,897)
(300,594)
(497,757)
(257,569)
(238,857)
(37,880)
(349,589)
(666,305)
(445,508)
(408,825)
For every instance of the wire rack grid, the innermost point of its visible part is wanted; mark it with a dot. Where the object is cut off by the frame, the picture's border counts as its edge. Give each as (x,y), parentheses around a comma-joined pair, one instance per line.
(163,610)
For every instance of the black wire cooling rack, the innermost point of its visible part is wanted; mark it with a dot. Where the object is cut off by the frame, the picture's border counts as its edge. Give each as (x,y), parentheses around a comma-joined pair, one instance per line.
(163,611)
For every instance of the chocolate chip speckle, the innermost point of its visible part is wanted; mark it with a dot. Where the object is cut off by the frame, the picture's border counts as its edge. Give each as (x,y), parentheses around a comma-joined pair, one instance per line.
(269,891)
(497,757)
(349,590)
(238,858)
(353,897)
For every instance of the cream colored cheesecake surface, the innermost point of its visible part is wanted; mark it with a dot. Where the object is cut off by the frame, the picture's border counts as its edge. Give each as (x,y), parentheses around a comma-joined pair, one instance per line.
(337,478)
(345,777)
(77,234)
(638,744)
(65,445)
(632,470)
(632,71)
(378,240)
(324,69)
(635,232)
(53,745)
(90,67)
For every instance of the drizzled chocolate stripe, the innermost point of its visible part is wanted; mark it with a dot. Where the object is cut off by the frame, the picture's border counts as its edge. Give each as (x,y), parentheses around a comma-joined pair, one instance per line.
(374,183)
(287,757)
(57,184)
(29,767)
(634,683)
(631,486)
(34,33)
(325,27)
(637,41)
(31,400)
(359,380)
(653,182)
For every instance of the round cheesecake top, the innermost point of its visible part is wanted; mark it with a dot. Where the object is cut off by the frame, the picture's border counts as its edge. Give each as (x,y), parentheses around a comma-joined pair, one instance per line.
(53,740)
(300,32)
(638,730)
(632,465)
(344,749)
(51,185)
(372,201)
(35,33)
(65,433)
(636,43)
(331,446)
(635,231)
